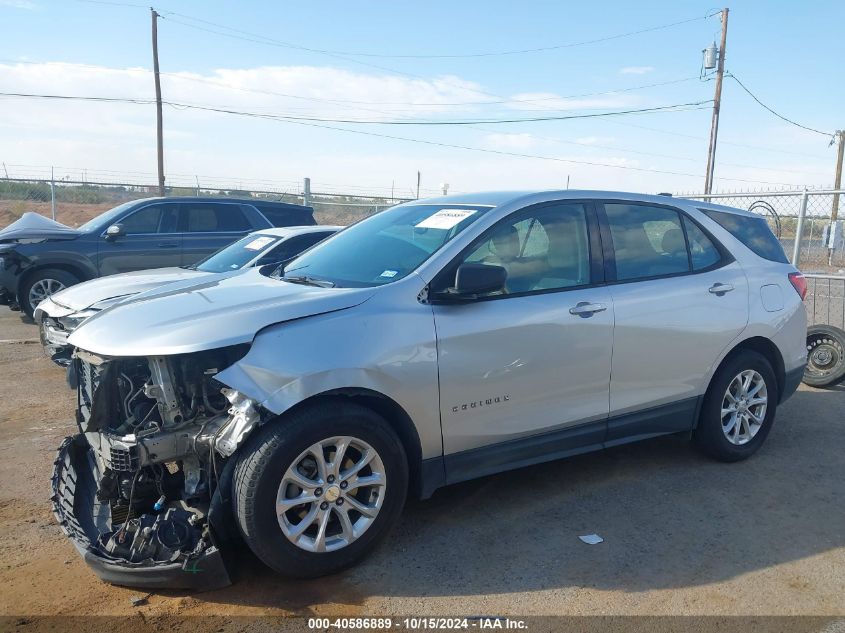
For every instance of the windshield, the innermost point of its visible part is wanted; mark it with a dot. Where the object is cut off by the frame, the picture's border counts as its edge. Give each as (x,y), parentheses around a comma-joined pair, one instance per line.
(237,255)
(105,219)
(384,247)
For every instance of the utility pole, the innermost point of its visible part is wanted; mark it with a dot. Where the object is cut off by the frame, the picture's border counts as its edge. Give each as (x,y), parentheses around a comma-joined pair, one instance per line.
(837,184)
(837,181)
(159,125)
(418,185)
(717,102)
(53,193)
(306,192)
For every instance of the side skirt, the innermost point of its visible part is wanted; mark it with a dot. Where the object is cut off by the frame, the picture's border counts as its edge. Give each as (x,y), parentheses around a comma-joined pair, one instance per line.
(676,417)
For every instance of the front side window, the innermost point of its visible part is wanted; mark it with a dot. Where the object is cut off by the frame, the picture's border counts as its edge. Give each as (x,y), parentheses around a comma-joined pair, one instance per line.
(237,255)
(647,241)
(156,218)
(107,218)
(385,247)
(546,248)
(209,218)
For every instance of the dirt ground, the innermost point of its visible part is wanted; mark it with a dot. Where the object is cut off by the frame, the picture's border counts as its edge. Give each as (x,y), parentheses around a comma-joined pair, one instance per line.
(683,535)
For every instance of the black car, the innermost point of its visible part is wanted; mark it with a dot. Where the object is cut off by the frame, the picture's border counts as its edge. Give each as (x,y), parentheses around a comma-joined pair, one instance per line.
(39,257)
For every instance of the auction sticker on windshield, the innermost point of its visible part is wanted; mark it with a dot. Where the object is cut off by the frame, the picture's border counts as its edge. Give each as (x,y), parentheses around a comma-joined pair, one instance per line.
(258,243)
(445,219)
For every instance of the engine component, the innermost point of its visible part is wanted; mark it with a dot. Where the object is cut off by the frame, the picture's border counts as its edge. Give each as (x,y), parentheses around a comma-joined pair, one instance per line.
(244,417)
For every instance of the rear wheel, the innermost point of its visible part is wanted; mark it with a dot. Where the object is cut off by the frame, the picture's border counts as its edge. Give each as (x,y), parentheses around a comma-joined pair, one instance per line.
(738,409)
(825,356)
(42,284)
(316,491)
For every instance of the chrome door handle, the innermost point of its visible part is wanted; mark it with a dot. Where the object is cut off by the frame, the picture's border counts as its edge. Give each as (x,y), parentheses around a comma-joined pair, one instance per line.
(585,309)
(720,289)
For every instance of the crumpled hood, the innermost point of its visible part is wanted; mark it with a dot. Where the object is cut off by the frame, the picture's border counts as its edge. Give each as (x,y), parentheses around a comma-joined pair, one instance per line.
(34,226)
(210,314)
(86,294)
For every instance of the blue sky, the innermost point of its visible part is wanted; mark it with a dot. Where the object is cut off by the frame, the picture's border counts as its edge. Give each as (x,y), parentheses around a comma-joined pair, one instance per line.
(787,54)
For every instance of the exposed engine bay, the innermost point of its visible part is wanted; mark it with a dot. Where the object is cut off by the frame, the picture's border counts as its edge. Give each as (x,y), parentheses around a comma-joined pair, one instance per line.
(136,487)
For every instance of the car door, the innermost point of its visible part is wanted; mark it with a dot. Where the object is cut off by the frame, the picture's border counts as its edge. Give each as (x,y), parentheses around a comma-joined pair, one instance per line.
(149,239)
(524,374)
(679,300)
(209,226)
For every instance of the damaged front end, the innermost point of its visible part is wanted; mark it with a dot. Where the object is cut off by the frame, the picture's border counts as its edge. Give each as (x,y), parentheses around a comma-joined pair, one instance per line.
(142,491)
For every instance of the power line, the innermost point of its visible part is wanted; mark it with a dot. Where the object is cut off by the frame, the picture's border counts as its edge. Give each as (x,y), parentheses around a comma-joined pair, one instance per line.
(702,138)
(448,55)
(777,114)
(261,39)
(502,101)
(323,125)
(176,104)
(626,150)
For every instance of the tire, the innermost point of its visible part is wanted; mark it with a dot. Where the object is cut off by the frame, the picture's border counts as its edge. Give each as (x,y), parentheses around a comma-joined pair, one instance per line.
(825,356)
(722,440)
(49,281)
(271,456)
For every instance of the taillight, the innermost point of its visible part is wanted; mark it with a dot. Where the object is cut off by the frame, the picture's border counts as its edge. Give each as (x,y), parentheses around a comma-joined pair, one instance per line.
(799,283)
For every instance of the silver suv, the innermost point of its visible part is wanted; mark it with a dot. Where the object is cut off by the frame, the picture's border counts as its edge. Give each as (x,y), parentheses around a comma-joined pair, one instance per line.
(434,342)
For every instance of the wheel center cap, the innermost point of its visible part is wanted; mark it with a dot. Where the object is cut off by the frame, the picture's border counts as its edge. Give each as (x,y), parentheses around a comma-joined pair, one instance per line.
(332,493)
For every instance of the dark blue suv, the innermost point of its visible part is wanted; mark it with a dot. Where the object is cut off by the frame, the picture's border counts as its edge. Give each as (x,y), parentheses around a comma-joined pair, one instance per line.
(39,257)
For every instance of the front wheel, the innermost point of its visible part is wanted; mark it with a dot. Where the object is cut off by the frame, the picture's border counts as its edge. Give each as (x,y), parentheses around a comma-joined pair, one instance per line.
(315,491)
(825,356)
(42,284)
(738,409)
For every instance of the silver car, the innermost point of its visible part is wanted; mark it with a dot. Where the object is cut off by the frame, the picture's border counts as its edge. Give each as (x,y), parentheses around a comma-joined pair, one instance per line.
(59,314)
(434,342)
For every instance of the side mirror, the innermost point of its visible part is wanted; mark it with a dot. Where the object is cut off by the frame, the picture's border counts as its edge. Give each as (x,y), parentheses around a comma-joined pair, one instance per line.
(472,280)
(114,231)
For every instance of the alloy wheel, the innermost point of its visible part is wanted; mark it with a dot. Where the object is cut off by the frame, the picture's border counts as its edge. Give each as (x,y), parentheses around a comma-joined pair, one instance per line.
(42,289)
(744,407)
(331,494)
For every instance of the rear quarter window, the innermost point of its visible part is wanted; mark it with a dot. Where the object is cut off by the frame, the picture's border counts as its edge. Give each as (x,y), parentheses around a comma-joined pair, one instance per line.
(281,216)
(753,232)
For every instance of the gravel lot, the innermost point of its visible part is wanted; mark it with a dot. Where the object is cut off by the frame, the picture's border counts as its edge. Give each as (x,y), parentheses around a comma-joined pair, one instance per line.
(683,535)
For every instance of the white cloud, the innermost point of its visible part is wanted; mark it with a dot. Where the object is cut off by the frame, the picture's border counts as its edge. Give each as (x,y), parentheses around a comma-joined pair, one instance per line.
(636,70)
(245,151)
(546,101)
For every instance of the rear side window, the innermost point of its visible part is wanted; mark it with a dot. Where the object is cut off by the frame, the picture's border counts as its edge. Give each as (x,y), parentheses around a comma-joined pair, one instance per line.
(647,241)
(754,232)
(280,216)
(703,253)
(206,218)
(291,248)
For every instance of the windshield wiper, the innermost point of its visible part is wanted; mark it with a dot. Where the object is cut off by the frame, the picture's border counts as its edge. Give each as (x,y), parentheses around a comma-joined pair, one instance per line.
(308,281)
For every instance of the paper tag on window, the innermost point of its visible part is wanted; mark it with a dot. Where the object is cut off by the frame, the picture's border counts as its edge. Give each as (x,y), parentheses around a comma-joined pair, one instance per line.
(258,243)
(445,219)
(389,273)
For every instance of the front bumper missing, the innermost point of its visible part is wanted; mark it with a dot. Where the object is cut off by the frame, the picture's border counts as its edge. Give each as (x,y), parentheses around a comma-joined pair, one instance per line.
(79,514)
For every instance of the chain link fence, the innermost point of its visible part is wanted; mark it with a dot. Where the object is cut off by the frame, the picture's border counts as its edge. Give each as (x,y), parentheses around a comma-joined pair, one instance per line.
(73,202)
(804,216)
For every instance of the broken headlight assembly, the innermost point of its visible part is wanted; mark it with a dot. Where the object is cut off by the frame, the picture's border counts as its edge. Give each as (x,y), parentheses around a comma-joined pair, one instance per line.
(139,489)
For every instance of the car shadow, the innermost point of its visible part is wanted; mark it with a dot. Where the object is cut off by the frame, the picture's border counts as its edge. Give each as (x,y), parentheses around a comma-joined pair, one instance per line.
(669,518)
